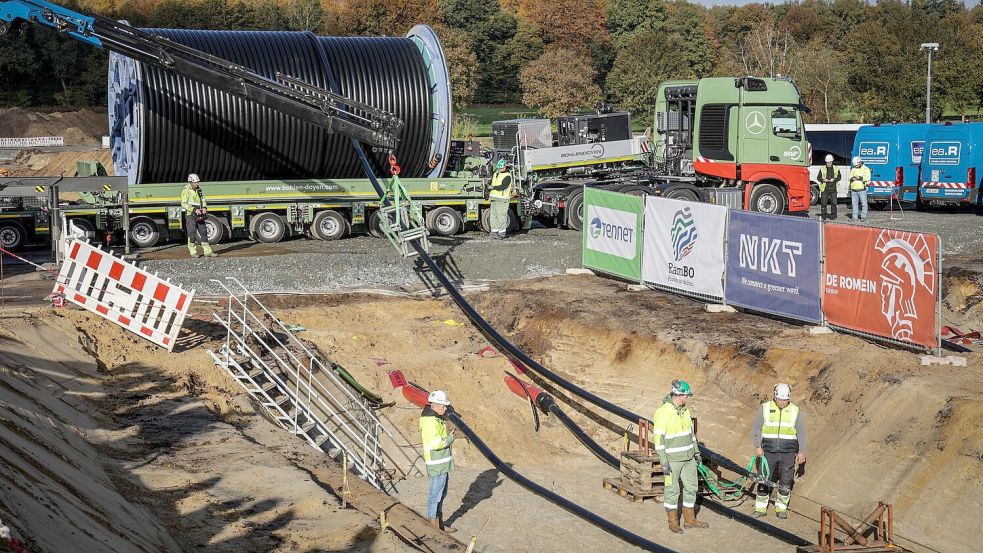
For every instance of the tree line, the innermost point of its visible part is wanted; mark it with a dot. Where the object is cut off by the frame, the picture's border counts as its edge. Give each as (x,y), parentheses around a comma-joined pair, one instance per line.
(852,60)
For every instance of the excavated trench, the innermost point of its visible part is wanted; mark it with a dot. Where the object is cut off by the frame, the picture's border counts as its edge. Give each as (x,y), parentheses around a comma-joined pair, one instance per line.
(174,457)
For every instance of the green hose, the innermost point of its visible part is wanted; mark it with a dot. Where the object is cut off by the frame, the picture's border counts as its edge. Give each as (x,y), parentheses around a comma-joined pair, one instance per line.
(365,392)
(730,491)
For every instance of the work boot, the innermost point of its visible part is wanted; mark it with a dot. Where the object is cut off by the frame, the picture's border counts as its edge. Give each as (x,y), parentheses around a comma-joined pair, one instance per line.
(759,514)
(689,515)
(674,521)
(444,527)
(782,514)
(211,254)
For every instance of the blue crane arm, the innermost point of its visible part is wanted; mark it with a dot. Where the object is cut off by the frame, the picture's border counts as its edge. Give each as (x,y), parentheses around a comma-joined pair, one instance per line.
(74,24)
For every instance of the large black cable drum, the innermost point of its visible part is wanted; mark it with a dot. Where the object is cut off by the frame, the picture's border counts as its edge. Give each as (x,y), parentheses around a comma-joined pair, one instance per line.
(164,126)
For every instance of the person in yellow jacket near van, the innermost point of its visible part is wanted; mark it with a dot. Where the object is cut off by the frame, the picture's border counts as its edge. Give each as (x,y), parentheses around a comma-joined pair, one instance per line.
(859,179)
(675,444)
(437,454)
(195,209)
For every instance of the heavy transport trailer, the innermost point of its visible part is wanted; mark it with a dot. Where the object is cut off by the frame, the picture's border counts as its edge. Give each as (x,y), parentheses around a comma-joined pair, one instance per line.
(738,142)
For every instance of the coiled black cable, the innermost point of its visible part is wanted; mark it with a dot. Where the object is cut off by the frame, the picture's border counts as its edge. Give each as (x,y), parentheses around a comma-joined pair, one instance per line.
(186,126)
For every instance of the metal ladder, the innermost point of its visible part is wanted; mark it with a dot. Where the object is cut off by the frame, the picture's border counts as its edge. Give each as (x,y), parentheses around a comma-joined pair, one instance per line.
(300,393)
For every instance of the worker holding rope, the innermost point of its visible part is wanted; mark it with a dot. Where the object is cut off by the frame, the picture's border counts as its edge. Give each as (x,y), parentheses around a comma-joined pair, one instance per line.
(675,443)
(780,437)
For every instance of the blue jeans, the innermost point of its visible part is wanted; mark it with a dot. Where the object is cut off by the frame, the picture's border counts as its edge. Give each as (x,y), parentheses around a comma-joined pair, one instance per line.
(859,196)
(435,499)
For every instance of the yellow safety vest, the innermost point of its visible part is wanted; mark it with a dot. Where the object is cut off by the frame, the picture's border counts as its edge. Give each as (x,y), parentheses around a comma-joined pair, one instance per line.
(778,433)
(191,199)
(497,180)
(672,432)
(864,173)
(436,445)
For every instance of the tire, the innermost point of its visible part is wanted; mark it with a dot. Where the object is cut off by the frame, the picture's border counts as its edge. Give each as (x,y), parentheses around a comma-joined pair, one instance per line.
(813,194)
(144,232)
(84,225)
(215,229)
(444,221)
(329,225)
(574,211)
(767,198)
(268,228)
(636,190)
(682,194)
(484,222)
(11,236)
(375,225)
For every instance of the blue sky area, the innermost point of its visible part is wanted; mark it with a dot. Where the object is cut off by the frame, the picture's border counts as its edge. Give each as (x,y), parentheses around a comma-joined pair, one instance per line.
(969,3)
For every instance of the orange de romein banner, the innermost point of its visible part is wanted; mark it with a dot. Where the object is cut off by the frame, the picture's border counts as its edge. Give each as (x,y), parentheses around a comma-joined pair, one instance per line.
(884,282)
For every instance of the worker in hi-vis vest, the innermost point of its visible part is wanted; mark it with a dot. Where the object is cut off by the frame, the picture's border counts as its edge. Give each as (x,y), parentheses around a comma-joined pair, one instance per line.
(437,454)
(859,179)
(675,444)
(779,435)
(500,196)
(195,212)
(829,178)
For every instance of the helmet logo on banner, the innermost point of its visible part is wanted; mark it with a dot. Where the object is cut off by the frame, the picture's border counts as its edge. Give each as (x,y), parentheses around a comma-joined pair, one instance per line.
(907,267)
(683,233)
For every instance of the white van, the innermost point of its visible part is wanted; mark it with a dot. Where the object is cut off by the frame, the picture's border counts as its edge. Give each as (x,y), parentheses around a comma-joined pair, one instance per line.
(834,139)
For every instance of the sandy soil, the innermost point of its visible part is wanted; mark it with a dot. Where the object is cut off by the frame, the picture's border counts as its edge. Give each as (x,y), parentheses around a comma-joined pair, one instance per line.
(77,127)
(174,457)
(47,163)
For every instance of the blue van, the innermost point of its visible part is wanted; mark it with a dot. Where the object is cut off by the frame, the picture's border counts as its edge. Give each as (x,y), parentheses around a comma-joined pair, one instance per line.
(894,154)
(951,164)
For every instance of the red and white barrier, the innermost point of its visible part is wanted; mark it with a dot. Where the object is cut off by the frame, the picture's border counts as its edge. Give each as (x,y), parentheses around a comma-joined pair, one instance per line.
(934,184)
(136,300)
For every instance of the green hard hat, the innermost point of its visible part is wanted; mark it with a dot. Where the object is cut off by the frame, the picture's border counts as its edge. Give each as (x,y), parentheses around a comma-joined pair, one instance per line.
(500,165)
(681,388)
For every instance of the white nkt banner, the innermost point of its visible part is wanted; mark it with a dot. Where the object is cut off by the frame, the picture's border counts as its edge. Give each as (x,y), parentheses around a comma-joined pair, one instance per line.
(683,246)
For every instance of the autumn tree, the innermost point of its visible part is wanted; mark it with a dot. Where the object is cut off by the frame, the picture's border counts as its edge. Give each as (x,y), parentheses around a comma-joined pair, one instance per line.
(569,24)
(821,76)
(767,51)
(561,81)
(461,64)
(626,18)
(647,60)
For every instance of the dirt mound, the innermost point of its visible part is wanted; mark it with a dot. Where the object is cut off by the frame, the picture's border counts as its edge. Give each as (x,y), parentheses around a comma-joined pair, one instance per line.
(963,301)
(36,163)
(83,127)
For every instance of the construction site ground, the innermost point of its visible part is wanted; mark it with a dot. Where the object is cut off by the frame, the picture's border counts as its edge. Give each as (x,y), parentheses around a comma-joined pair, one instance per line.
(109,443)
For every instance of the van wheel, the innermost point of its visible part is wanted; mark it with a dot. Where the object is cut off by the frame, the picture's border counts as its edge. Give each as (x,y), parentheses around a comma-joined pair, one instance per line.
(767,198)
(813,195)
(444,221)
(329,225)
(144,232)
(268,228)
(11,236)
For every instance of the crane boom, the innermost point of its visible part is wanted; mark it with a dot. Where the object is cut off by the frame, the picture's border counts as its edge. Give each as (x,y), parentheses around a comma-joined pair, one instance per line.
(306,101)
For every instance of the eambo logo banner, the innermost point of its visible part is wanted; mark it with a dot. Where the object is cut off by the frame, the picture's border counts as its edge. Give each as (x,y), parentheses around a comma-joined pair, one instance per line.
(883,282)
(613,233)
(683,246)
(773,264)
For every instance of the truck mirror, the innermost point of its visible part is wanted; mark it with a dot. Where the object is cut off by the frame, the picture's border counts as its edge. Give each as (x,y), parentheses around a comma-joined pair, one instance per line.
(660,123)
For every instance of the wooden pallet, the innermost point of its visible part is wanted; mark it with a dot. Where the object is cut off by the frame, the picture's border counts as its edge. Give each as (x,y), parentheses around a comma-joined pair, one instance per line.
(882,548)
(643,472)
(627,490)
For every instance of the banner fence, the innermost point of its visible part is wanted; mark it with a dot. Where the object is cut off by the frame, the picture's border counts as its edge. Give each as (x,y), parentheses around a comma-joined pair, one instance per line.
(612,233)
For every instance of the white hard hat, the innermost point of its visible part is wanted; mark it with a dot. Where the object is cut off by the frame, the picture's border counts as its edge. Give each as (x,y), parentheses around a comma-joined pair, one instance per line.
(829,158)
(193,177)
(783,391)
(439,397)
(857,160)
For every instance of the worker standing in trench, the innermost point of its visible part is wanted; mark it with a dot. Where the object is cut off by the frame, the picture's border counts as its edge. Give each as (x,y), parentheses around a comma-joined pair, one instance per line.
(779,435)
(675,443)
(437,454)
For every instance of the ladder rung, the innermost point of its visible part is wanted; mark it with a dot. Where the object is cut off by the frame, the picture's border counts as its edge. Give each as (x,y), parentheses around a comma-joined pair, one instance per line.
(307,428)
(268,386)
(279,401)
(320,440)
(256,373)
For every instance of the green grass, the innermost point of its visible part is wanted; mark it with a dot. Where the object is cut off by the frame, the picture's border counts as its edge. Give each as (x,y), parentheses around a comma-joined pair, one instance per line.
(485,114)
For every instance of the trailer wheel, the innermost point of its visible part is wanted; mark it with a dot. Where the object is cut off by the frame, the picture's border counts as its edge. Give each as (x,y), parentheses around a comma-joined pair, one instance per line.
(144,232)
(767,198)
(268,228)
(484,221)
(215,229)
(444,221)
(813,194)
(375,225)
(11,235)
(682,194)
(575,211)
(636,190)
(329,225)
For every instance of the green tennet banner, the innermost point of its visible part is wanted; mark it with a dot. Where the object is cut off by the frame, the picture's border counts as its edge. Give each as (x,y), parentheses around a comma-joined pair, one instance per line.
(613,233)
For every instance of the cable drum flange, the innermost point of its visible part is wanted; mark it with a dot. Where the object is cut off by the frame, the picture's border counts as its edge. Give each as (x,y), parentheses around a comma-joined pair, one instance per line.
(164,126)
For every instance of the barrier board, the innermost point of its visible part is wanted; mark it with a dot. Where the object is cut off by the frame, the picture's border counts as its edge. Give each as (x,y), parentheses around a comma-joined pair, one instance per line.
(882,282)
(32,142)
(773,264)
(136,300)
(613,233)
(683,246)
